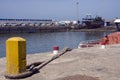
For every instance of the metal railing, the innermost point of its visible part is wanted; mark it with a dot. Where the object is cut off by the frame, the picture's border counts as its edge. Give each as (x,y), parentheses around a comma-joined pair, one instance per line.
(88,43)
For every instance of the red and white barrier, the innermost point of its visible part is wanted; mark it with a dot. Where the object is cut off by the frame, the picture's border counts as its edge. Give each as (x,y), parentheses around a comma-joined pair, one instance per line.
(55,50)
(103,45)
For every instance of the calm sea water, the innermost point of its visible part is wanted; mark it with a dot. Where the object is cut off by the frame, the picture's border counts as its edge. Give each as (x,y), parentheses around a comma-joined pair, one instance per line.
(44,42)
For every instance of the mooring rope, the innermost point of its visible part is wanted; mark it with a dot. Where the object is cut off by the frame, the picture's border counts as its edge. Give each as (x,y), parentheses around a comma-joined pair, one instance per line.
(31,69)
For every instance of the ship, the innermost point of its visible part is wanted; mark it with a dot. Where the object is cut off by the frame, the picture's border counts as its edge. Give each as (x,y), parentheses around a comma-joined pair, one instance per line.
(90,23)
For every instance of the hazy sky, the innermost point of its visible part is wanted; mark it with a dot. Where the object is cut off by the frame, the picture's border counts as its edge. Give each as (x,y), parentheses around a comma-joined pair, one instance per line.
(59,9)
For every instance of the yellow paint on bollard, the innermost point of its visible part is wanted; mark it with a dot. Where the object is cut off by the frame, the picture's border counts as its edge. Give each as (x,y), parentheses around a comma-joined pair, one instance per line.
(15,56)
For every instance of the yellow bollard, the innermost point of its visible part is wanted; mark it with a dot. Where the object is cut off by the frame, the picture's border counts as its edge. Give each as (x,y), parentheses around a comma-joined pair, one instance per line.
(15,56)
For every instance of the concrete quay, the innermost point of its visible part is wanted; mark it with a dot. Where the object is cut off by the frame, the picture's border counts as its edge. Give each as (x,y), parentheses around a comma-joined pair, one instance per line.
(101,64)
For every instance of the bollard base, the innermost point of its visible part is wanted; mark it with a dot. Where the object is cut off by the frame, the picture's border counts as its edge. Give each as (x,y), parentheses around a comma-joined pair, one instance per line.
(21,75)
(55,52)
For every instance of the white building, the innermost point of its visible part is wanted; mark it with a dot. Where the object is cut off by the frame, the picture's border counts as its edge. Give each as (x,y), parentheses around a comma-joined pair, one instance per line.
(117,21)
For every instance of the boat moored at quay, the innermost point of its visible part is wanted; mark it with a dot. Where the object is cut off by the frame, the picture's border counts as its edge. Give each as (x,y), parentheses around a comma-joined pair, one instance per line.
(89,23)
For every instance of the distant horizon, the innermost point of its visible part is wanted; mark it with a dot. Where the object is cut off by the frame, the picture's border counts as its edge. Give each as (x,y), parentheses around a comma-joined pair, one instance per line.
(58,10)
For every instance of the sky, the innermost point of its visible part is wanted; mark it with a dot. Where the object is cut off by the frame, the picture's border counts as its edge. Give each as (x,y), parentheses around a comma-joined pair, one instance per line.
(59,9)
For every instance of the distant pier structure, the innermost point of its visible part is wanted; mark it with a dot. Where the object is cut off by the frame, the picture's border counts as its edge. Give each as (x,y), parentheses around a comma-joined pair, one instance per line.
(24,22)
(35,25)
(25,25)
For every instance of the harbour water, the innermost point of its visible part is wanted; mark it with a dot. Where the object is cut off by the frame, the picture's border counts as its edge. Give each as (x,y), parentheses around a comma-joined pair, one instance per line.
(44,42)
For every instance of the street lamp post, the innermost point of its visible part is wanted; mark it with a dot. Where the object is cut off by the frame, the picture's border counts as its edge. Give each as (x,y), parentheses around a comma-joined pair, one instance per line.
(77,11)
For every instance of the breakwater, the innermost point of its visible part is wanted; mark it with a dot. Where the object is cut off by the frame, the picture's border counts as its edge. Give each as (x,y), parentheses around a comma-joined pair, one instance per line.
(38,29)
(34,29)
(34,25)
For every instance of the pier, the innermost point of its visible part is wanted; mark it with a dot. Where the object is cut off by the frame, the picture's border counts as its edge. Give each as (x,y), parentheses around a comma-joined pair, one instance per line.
(94,61)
